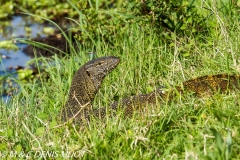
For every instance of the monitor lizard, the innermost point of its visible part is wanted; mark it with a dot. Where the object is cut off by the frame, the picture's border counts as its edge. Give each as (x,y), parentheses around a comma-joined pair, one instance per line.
(88,79)
(85,84)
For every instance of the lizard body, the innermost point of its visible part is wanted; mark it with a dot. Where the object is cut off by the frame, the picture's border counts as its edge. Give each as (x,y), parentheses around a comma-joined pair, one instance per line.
(85,84)
(87,81)
(205,85)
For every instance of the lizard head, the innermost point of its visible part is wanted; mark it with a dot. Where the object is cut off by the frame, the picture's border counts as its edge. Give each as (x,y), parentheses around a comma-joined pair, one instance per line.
(97,69)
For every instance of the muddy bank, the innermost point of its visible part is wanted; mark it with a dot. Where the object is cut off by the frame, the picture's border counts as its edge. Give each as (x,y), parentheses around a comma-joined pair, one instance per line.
(55,43)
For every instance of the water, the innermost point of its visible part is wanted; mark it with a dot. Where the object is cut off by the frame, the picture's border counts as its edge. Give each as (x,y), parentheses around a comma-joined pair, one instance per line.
(15,30)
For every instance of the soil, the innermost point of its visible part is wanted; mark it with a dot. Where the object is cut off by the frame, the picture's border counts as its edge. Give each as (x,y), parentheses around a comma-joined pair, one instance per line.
(56,40)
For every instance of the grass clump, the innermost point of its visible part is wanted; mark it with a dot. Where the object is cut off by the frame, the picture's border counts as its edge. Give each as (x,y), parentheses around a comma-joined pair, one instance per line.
(187,128)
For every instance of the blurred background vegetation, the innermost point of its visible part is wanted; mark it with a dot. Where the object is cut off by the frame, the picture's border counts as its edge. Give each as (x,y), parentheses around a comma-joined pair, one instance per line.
(185,18)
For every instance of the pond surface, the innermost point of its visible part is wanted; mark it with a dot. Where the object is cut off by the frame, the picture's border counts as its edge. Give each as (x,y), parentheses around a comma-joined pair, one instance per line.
(20,27)
(16,30)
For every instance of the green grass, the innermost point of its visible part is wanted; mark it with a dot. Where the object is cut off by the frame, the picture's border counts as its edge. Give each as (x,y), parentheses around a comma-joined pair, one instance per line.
(189,128)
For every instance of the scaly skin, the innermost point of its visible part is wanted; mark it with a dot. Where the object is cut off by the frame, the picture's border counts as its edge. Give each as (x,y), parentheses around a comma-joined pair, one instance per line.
(205,85)
(88,79)
(85,84)
(211,84)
